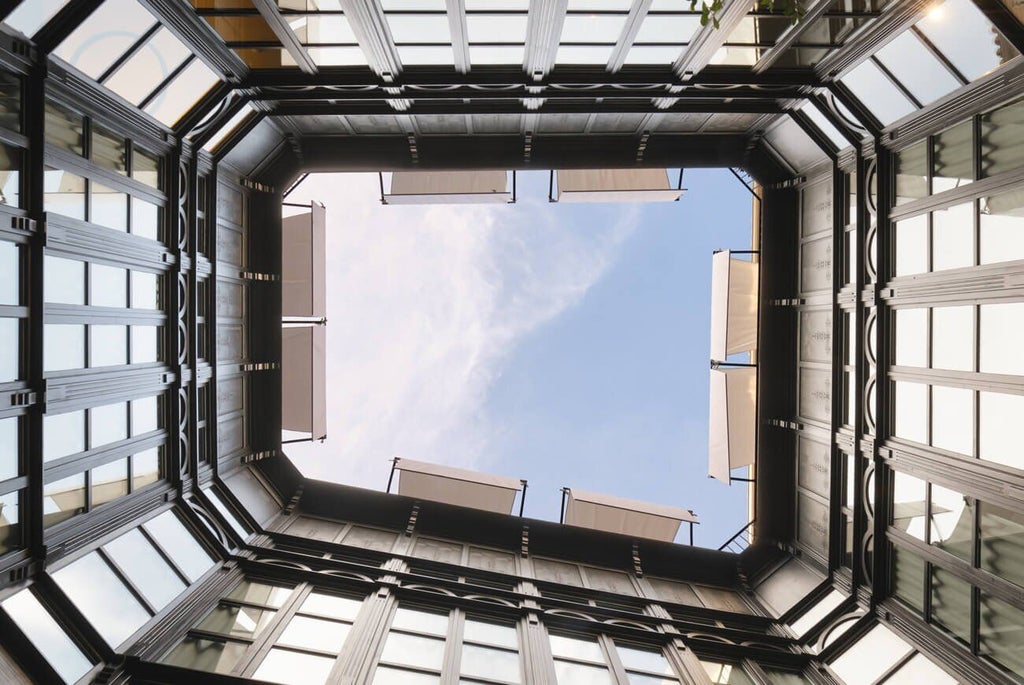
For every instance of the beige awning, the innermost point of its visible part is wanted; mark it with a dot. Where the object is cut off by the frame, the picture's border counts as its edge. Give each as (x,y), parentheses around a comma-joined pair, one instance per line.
(304,379)
(452,485)
(732,421)
(615,185)
(304,264)
(625,516)
(733,305)
(448,187)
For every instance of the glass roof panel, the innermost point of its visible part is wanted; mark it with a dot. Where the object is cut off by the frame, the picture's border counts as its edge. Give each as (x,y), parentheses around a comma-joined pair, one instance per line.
(419,28)
(736,55)
(330,28)
(667,29)
(432,54)
(181,94)
(105,35)
(496,28)
(335,56)
(824,125)
(236,28)
(147,68)
(877,92)
(583,54)
(414,5)
(493,5)
(592,28)
(265,58)
(506,54)
(31,15)
(228,127)
(653,54)
(962,33)
(601,5)
(917,68)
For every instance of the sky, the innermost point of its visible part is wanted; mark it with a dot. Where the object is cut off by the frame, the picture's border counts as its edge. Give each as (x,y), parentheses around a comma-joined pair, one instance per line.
(565,344)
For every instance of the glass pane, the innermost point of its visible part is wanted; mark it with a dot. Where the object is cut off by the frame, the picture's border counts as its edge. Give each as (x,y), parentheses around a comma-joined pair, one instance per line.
(953,237)
(726,674)
(954,157)
(245,622)
(965,37)
(187,88)
(107,424)
(412,650)
(29,17)
(816,613)
(109,207)
(147,68)
(592,28)
(10,344)
(108,150)
(64,193)
(46,634)
(102,598)
(64,129)
(10,518)
(420,621)
(108,345)
(999,415)
(10,99)
(93,47)
(920,670)
(63,434)
(145,344)
(10,166)
(912,245)
(912,337)
(63,499)
(1002,148)
(484,662)
(953,419)
(952,522)
(63,347)
(568,673)
(419,28)
(260,593)
(1002,338)
(1002,633)
(179,544)
(496,28)
(953,338)
(314,633)
(9,444)
(644,660)
(145,168)
(878,93)
(1002,542)
(145,290)
(145,568)
(916,68)
(63,280)
(394,676)
(871,656)
(145,219)
(212,656)
(490,633)
(145,468)
(908,578)
(909,498)
(331,605)
(108,482)
(951,603)
(145,416)
(585,650)
(10,273)
(911,411)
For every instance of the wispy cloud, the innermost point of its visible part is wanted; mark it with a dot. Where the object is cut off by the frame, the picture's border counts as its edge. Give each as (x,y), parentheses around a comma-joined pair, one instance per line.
(425,305)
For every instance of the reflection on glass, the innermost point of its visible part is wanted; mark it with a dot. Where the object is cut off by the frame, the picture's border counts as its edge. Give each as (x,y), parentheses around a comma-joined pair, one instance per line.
(63,280)
(64,128)
(909,509)
(96,45)
(568,673)
(1002,338)
(585,650)
(999,417)
(260,593)
(485,662)
(1002,227)
(143,565)
(490,633)
(63,499)
(953,338)
(912,337)
(384,675)
(1002,542)
(108,207)
(179,544)
(1002,148)
(413,650)
(107,424)
(64,193)
(953,237)
(331,605)
(952,522)
(953,419)
(873,654)
(9,443)
(878,93)
(951,603)
(912,245)
(10,273)
(917,68)
(145,168)
(911,411)
(726,674)
(109,482)
(294,668)
(108,345)
(145,468)
(148,67)
(314,633)
(963,35)
(10,349)
(47,635)
(145,219)
(953,155)
(10,176)
(10,518)
(108,150)
(643,660)
(212,656)
(187,88)
(63,434)
(816,613)
(245,622)
(1002,633)
(420,621)
(229,516)
(908,578)
(145,415)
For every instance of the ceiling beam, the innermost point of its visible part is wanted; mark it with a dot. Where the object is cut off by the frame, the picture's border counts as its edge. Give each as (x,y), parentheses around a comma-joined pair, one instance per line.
(268,10)
(709,40)
(899,17)
(543,32)
(459,33)
(637,14)
(199,36)
(813,10)
(371,28)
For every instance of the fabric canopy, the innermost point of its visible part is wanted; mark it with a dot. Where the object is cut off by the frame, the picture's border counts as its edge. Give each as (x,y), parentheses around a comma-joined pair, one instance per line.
(304,264)
(615,185)
(448,187)
(733,421)
(456,486)
(625,516)
(304,379)
(733,305)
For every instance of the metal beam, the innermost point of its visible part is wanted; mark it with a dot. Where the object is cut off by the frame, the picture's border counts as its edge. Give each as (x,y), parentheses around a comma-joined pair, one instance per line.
(268,10)
(876,34)
(813,10)
(459,33)
(201,39)
(543,31)
(637,14)
(708,40)
(371,28)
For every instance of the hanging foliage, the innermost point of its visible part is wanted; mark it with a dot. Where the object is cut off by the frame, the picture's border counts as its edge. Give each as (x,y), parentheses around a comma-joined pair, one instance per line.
(794,9)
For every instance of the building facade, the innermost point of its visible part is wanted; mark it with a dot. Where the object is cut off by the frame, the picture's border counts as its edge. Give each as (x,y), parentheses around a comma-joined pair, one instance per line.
(152,529)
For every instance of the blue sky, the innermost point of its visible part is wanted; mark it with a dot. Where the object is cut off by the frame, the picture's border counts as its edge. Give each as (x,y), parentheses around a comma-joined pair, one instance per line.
(566,344)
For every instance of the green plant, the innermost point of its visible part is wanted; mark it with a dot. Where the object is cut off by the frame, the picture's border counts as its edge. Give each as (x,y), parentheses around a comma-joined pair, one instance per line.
(794,9)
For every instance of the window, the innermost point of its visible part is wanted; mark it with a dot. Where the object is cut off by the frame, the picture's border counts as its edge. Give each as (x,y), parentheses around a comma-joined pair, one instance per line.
(59,650)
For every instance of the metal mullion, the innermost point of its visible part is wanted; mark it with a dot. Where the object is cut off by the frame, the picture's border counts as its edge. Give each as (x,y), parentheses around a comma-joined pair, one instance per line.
(939,55)
(163,554)
(212,636)
(896,82)
(167,80)
(258,651)
(123,577)
(892,670)
(130,52)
